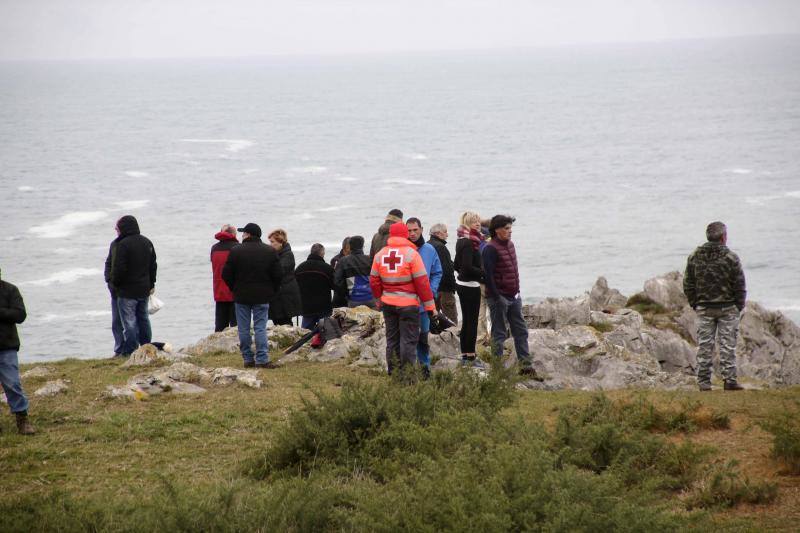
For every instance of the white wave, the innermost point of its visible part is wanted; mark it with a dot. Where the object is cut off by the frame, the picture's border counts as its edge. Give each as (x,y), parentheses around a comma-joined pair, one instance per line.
(335,208)
(52,317)
(66,225)
(249,171)
(64,251)
(65,276)
(306,216)
(131,204)
(233,145)
(741,171)
(407,182)
(346,178)
(761,200)
(417,157)
(13,238)
(793,194)
(25,188)
(311,169)
(136,174)
(97,313)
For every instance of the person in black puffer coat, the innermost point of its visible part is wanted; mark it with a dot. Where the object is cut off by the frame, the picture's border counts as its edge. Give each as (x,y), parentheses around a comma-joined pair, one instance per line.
(133,279)
(286,304)
(315,279)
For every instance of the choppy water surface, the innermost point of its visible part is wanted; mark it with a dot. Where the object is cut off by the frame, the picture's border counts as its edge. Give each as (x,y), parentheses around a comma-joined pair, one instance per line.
(612,158)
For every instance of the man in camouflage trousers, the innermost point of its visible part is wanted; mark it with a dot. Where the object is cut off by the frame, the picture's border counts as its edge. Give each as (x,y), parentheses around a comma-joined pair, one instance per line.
(714,284)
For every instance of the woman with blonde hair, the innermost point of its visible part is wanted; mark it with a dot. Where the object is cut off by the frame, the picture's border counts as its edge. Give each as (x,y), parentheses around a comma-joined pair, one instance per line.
(286,302)
(468,282)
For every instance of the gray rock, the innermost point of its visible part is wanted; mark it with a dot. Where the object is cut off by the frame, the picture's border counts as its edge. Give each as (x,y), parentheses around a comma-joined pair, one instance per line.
(667,290)
(601,298)
(51,388)
(147,354)
(672,352)
(768,347)
(37,372)
(687,323)
(556,313)
(226,341)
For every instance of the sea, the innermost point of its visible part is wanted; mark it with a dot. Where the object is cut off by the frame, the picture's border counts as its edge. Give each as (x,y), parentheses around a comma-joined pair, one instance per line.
(613,159)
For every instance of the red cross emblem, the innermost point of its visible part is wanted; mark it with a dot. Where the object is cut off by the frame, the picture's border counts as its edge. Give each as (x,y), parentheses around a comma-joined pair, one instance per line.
(392,260)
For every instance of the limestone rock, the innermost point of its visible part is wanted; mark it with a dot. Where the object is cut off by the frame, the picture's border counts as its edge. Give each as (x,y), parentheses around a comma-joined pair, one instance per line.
(51,388)
(601,298)
(672,352)
(147,354)
(667,290)
(556,313)
(226,341)
(230,376)
(768,347)
(37,372)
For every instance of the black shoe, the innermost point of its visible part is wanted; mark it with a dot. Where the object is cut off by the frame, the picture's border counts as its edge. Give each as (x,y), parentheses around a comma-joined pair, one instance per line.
(530,373)
(268,365)
(704,387)
(732,385)
(249,364)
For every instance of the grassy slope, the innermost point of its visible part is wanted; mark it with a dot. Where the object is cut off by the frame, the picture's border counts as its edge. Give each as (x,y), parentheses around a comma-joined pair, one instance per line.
(95,448)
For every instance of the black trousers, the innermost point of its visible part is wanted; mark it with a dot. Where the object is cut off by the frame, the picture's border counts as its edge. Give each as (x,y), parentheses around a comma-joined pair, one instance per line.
(402,334)
(470,300)
(225,315)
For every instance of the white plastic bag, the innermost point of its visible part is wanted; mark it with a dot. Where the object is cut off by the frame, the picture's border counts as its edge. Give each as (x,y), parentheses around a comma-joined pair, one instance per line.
(154,304)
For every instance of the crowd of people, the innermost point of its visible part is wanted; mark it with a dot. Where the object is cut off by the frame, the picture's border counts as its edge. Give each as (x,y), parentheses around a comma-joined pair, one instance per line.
(404,276)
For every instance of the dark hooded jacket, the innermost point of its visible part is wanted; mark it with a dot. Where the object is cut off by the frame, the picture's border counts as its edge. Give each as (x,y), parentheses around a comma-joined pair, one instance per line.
(315,279)
(286,303)
(714,277)
(12,312)
(253,272)
(352,276)
(133,261)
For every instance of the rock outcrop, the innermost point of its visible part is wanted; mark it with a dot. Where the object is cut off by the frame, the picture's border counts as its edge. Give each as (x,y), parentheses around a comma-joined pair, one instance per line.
(37,372)
(182,378)
(51,388)
(148,354)
(589,342)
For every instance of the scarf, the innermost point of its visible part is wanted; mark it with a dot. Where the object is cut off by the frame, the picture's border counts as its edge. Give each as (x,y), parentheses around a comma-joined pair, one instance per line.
(475,236)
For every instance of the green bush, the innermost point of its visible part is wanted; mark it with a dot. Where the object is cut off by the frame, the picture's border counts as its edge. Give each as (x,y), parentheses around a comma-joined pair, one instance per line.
(785,429)
(724,486)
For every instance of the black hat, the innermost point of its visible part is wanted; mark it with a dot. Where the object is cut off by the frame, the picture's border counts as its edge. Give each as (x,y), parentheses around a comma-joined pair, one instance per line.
(251,228)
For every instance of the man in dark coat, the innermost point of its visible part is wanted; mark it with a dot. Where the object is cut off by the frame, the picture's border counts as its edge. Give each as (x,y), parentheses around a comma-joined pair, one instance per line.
(447,286)
(315,278)
(12,312)
(116,320)
(133,279)
(225,312)
(503,294)
(253,272)
(381,236)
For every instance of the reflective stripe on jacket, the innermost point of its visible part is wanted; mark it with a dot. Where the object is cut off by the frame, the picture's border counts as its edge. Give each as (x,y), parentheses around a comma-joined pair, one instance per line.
(398,276)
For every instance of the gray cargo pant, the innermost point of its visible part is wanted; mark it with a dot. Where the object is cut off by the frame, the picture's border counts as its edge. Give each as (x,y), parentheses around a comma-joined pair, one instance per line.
(402,334)
(713,323)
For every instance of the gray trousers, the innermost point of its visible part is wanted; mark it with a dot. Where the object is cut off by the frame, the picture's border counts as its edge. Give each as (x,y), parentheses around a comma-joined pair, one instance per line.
(502,309)
(717,324)
(402,335)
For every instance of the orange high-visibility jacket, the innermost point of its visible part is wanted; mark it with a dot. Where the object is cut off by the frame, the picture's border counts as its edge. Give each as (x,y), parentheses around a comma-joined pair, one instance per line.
(398,276)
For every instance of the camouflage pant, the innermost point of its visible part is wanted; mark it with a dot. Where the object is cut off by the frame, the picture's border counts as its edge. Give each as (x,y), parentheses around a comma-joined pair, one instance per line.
(713,323)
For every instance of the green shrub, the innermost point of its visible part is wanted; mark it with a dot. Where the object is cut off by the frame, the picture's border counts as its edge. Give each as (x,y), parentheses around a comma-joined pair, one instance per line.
(724,486)
(644,305)
(785,429)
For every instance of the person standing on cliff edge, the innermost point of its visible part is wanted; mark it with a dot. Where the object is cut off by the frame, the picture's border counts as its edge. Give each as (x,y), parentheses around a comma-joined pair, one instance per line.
(714,284)
(225,309)
(12,312)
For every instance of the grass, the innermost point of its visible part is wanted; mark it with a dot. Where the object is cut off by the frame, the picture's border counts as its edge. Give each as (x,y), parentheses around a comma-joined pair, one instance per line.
(328,447)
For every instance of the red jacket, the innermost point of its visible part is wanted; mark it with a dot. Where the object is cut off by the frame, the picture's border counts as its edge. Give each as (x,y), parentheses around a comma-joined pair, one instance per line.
(219,254)
(398,276)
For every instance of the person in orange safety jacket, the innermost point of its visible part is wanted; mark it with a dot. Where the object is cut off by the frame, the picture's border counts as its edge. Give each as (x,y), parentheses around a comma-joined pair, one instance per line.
(400,283)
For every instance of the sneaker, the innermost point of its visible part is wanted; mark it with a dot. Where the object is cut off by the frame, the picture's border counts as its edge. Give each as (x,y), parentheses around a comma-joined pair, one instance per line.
(704,387)
(268,365)
(732,385)
(530,373)
(249,364)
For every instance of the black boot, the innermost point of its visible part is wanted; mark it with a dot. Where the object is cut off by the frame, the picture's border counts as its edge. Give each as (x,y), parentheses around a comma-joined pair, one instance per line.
(23,426)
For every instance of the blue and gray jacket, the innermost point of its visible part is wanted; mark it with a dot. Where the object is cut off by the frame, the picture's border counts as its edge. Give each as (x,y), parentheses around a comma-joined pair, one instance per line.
(352,276)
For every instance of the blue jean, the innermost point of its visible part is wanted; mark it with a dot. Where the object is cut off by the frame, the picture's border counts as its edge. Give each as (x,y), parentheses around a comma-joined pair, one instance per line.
(12,386)
(116,326)
(259,314)
(502,309)
(309,321)
(135,323)
(423,349)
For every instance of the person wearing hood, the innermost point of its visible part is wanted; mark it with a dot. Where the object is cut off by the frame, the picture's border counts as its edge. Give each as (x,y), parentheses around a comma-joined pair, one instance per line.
(116,320)
(253,272)
(12,312)
(399,281)
(433,266)
(351,276)
(381,237)
(286,303)
(715,286)
(315,279)
(133,279)
(225,312)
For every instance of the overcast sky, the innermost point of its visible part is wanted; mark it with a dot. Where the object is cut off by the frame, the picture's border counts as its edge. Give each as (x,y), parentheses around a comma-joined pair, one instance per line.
(72,29)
